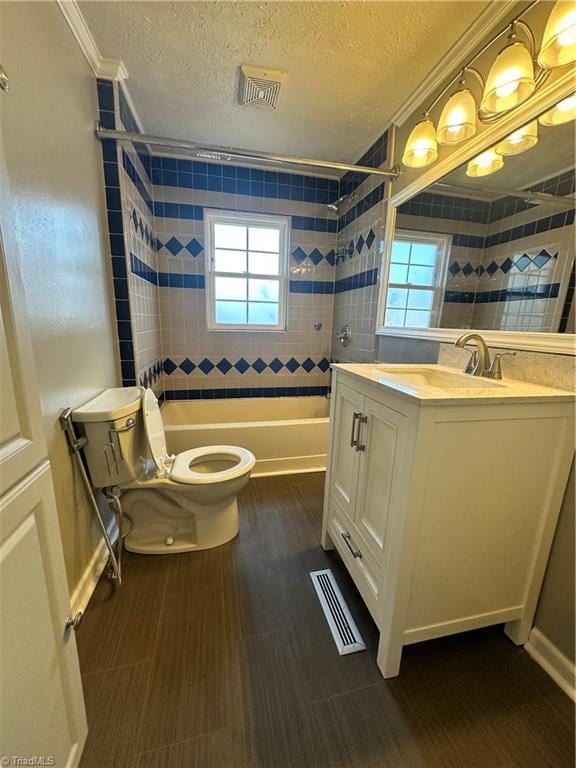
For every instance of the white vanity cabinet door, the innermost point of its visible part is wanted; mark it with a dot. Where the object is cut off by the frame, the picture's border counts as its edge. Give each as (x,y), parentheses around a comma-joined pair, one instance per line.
(380,471)
(345,458)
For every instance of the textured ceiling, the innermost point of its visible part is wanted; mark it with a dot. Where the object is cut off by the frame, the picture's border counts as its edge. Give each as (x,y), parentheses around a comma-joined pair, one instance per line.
(350,66)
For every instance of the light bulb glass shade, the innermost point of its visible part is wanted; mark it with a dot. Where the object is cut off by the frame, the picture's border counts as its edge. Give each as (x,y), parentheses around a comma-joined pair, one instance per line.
(560,113)
(458,119)
(559,41)
(510,80)
(421,148)
(485,164)
(519,141)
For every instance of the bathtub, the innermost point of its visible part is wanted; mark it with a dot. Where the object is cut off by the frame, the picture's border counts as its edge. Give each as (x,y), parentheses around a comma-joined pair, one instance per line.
(286,434)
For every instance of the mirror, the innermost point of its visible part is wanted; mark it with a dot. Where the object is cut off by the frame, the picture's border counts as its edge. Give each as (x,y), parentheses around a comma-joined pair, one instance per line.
(492,252)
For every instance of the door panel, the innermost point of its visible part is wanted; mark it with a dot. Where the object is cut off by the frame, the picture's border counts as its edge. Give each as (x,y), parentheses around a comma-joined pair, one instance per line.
(344,471)
(22,444)
(382,436)
(42,708)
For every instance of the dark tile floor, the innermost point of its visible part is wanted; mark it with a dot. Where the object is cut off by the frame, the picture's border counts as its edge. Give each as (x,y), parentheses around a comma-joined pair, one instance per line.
(223,659)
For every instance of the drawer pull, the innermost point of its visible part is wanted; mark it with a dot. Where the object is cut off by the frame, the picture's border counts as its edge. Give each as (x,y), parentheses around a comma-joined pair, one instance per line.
(353,438)
(361,420)
(348,541)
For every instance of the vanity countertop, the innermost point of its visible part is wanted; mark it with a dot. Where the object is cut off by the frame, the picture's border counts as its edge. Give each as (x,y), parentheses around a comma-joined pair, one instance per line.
(441,385)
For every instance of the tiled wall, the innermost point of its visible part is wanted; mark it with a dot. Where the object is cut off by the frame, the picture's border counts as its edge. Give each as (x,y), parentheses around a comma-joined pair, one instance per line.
(155,212)
(208,363)
(359,253)
(511,263)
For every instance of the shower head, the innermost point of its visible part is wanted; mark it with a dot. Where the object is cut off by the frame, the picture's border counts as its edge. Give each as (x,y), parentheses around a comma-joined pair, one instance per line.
(341,204)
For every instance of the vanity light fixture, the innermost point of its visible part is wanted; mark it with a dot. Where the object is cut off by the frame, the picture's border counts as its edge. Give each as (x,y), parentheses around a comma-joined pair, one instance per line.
(560,113)
(559,41)
(519,141)
(517,72)
(484,164)
(421,148)
(510,80)
(458,119)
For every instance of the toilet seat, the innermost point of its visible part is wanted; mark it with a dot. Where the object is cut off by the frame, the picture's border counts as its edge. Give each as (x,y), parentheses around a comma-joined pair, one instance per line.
(177,468)
(182,472)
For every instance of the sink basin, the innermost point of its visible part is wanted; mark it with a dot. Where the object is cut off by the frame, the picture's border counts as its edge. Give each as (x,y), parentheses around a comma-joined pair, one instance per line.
(437,379)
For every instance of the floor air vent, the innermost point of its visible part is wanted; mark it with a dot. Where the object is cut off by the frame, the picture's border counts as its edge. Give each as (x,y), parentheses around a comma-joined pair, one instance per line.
(344,630)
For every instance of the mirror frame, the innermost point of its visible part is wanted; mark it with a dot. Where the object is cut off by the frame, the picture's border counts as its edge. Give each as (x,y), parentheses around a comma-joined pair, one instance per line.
(545,98)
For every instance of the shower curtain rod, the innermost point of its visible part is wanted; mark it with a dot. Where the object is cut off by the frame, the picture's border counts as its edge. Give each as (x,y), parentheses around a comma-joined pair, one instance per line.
(207,152)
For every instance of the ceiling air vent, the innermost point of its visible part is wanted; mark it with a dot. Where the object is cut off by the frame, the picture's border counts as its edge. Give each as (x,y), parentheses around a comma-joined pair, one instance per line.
(259,87)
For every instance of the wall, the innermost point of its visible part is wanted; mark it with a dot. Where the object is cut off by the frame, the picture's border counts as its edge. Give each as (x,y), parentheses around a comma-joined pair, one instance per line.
(55,174)
(359,252)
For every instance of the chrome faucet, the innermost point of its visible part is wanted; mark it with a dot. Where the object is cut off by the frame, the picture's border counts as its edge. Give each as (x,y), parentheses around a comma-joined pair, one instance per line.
(479,363)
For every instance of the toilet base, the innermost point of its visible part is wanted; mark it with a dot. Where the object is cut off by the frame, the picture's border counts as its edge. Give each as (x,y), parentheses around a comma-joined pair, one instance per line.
(163,527)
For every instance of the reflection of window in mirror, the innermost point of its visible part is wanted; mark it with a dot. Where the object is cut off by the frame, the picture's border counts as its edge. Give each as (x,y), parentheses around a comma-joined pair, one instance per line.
(416,279)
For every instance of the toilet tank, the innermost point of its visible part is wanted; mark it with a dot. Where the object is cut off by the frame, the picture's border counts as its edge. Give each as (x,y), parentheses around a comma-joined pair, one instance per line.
(113,426)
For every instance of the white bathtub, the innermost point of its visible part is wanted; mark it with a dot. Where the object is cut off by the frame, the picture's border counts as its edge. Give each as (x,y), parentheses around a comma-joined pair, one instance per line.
(286,434)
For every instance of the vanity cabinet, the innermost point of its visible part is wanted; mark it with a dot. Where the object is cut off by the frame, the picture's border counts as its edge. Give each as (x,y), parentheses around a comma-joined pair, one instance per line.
(443,510)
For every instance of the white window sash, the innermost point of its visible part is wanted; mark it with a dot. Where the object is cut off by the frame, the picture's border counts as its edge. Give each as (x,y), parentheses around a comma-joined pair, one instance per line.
(282,223)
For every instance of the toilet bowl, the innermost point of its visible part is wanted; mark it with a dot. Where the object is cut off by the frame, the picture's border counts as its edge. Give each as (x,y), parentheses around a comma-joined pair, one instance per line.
(174,503)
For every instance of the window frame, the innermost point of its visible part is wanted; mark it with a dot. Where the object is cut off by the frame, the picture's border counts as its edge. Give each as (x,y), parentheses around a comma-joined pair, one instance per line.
(444,241)
(247,219)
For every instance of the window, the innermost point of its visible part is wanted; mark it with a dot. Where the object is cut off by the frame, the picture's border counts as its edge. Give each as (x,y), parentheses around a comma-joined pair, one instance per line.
(247,259)
(416,279)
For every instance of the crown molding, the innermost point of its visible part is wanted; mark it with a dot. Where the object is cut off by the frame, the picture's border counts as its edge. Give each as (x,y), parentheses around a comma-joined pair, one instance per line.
(461,51)
(102,66)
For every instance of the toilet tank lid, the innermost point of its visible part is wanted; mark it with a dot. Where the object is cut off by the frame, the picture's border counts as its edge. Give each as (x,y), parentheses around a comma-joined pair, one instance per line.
(111,404)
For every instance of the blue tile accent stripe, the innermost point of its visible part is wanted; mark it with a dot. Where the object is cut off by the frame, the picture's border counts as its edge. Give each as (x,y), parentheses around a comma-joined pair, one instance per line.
(353,282)
(568,300)
(105,91)
(364,205)
(141,269)
(237,180)
(548,291)
(241,366)
(137,180)
(311,286)
(216,394)
(173,280)
(374,157)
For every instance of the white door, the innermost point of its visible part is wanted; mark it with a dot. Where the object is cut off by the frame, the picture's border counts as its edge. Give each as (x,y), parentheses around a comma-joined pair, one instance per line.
(42,711)
(345,458)
(382,438)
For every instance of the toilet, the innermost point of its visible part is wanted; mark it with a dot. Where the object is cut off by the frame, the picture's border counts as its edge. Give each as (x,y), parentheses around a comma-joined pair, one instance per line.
(174,503)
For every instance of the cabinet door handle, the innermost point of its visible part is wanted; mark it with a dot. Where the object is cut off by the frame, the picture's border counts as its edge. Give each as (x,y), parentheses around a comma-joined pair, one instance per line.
(348,541)
(361,420)
(353,439)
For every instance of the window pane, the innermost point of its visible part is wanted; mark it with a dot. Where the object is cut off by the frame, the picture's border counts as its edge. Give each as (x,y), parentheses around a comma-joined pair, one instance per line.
(229,236)
(420,299)
(420,275)
(400,252)
(396,298)
(398,273)
(417,319)
(423,253)
(260,239)
(394,317)
(230,288)
(231,312)
(264,263)
(263,314)
(230,261)
(263,290)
